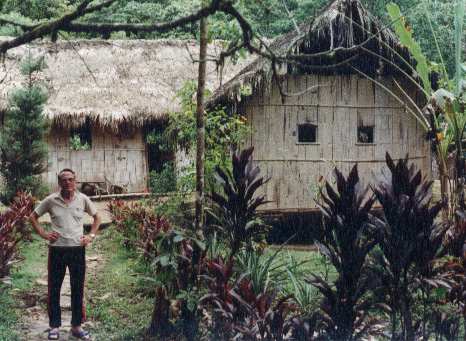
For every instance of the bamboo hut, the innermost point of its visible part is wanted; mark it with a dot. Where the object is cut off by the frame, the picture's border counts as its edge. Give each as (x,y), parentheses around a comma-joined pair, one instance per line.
(333,109)
(108,92)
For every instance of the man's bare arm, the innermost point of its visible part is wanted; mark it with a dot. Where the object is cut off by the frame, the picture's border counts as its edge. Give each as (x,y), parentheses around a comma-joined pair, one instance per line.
(51,236)
(94,228)
(95,224)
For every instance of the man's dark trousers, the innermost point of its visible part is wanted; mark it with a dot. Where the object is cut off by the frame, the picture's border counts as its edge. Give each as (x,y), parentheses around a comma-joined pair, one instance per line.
(74,258)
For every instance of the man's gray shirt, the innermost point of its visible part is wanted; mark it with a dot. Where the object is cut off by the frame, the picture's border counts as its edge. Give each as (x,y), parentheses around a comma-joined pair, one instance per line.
(67,219)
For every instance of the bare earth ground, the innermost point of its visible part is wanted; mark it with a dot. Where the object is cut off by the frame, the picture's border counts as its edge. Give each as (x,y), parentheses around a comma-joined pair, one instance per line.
(35,324)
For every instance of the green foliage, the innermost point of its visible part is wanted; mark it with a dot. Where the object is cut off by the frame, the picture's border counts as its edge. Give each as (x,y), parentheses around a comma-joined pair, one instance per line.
(37,9)
(406,38)
(22,138)
(22,282)
(224,132)
(77,144)
(164,181)
(121,297)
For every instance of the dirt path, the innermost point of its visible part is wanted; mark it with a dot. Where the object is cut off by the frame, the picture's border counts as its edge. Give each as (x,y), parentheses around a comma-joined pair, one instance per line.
(35,324)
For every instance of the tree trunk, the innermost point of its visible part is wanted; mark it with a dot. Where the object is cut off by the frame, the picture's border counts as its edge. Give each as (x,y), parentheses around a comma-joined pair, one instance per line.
(160,322)
(200,125)
(190,318)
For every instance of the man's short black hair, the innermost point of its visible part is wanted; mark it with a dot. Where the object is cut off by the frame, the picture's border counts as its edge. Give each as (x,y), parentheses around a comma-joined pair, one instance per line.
(66,170)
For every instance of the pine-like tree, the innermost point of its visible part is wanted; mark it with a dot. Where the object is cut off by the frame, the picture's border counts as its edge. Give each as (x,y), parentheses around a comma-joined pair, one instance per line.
(22,137)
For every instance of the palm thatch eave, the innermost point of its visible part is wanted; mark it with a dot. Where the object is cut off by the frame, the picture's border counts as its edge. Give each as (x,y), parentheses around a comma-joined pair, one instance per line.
(345,35)
(116,84)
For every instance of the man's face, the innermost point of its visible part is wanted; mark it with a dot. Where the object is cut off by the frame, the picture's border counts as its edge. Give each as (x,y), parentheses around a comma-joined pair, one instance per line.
(67,181)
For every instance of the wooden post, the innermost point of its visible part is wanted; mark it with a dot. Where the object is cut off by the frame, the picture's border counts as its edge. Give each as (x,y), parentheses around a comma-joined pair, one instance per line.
(200,125)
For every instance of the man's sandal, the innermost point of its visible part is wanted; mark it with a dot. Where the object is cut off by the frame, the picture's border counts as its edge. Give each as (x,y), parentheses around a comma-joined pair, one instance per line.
(82,334)
(54,334)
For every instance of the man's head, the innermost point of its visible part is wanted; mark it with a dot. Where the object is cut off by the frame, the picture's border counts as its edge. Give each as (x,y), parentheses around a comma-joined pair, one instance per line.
(67,180)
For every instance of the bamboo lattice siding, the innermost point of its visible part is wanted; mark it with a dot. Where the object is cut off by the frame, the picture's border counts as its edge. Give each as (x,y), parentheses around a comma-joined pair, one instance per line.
(121,161)
(335,107)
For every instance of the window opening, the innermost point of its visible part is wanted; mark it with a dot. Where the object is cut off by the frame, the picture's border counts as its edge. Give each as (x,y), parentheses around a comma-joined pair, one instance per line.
(365,134)
(81,137)
(307,133)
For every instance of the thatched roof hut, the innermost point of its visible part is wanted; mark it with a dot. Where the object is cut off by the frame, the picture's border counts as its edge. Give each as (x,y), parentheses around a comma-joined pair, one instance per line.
(344,35)
(115,83)
(336,107)
(107,92)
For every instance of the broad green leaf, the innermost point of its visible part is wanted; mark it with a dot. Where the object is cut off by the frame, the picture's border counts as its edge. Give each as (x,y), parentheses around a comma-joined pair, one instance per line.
(178,238)
(406,38)
(441,97)
(200,244)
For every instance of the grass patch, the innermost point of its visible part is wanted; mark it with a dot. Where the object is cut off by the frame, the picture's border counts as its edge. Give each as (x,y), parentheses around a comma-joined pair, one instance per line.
(23,278)
(120,303)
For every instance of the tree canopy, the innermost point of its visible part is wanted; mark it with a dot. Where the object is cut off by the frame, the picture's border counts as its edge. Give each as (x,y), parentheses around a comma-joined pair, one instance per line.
(268,18)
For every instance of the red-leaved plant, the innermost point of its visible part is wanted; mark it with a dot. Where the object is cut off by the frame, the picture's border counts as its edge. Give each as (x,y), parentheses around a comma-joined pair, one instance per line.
(236,312)
(139,225)
(13,230)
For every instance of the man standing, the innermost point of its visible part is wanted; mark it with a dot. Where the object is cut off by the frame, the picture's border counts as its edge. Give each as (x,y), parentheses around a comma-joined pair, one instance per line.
(67,244)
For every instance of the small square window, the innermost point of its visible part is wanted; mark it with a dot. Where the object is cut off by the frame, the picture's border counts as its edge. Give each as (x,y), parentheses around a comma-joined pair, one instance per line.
(366,134)
(81,138)
(307,133)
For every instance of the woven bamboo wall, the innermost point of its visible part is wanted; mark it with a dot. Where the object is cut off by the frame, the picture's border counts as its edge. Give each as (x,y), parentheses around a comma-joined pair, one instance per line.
(121,161)
(340,101)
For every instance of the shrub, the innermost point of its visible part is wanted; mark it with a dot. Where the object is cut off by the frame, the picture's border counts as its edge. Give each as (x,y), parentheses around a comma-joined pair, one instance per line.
(241,313)
(234,209)
(13,230)
(410,242)
(346,238)
(22,137)
(163,181)
(139,225)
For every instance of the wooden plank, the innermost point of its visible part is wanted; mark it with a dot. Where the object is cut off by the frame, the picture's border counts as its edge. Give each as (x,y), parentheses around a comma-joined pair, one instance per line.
(291,134)
(365,152)
(309,179)
(352,151)
(340,131)
(325,133)
(365,92)
(344,90)
(296,183)
(275,97)
(290,88)
(383,133)
(311,97)
(397,133)
(404,134)
(277,133)
(366,117)
(259,137)
(381,96)
(327,90)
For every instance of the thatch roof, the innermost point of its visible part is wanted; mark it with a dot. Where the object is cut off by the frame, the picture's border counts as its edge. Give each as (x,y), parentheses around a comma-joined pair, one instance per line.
(346,29)
(117,83)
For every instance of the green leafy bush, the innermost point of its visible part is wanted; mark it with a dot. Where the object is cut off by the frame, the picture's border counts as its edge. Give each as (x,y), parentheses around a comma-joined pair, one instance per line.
(22,137)
(164,181)
(77,144)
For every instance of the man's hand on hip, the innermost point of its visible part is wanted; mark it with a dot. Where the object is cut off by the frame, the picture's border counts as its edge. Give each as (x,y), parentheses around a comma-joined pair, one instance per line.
(85,240)
(50,236)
